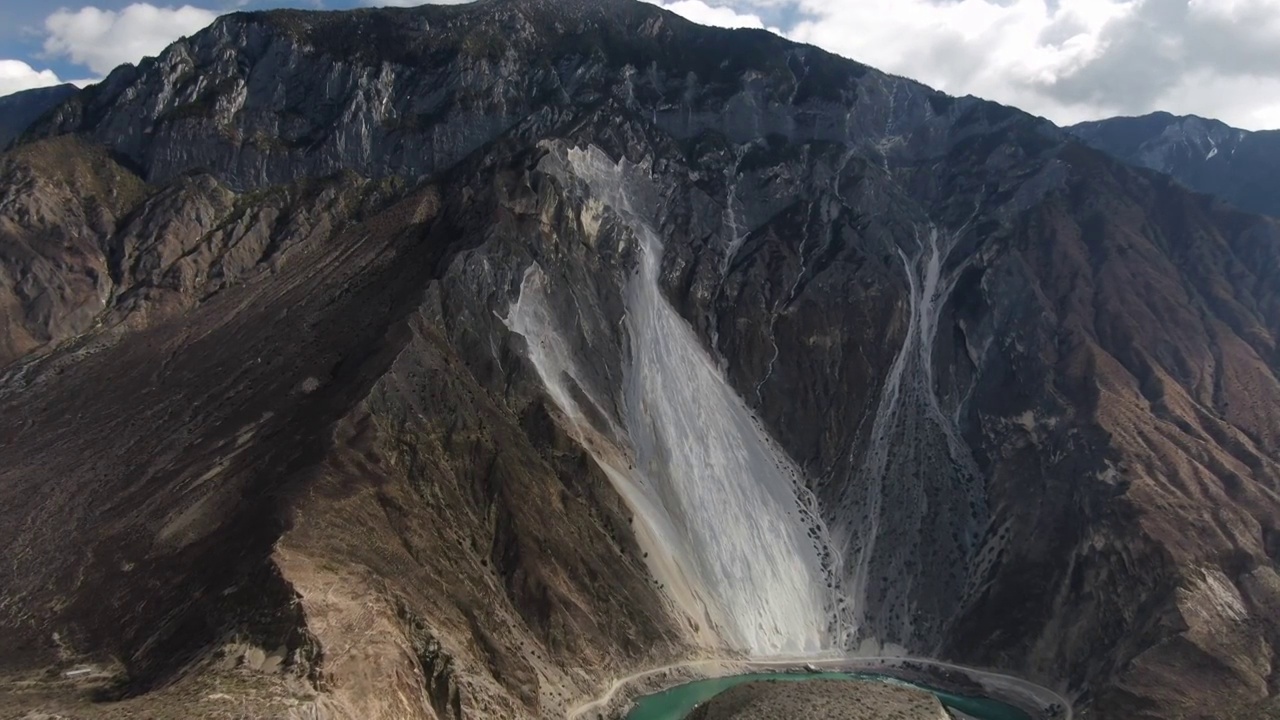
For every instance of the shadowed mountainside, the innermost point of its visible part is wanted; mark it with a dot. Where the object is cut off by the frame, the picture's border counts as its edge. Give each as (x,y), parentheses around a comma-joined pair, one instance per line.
(1208,156)
(19,110)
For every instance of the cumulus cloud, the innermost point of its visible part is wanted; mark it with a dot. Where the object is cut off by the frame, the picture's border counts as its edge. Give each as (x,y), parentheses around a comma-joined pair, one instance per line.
(1069,60)
(16,76)
(102,39)
(714,15)
(1013,51)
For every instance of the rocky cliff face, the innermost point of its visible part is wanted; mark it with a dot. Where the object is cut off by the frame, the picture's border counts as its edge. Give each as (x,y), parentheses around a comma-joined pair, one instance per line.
(447,362)
(1208,156)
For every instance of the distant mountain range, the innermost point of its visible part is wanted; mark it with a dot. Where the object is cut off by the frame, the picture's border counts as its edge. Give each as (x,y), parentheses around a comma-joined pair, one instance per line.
(1208,156)
(19,110)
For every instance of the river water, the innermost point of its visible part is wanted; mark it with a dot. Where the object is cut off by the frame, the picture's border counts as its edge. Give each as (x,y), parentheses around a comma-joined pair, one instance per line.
(677,702)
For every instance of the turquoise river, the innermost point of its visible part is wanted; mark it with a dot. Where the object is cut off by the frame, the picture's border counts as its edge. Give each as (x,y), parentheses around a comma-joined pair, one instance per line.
(677,702)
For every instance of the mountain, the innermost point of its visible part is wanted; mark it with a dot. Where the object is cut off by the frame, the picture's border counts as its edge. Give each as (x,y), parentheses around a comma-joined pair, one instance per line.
(1208,156)
(457,361)
(19,110)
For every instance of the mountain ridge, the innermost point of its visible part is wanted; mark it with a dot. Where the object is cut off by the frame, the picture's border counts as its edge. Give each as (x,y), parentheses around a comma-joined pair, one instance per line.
(18,110)
(1206,155)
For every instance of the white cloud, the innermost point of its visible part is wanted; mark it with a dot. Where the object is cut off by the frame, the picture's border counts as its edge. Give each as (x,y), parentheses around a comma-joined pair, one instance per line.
(1246,102)
(1068,60)
(715,15)
(102,39)
(1005,50)
(16,76)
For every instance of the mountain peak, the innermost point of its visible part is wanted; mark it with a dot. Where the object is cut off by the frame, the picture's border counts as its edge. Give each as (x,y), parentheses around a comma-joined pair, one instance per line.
(1204,154)
(258,95)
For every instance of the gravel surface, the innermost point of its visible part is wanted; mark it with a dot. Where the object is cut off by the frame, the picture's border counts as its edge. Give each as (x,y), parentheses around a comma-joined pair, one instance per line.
(825,699)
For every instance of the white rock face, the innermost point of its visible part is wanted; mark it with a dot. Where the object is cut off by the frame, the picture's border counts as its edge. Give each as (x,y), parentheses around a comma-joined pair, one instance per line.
(719,497)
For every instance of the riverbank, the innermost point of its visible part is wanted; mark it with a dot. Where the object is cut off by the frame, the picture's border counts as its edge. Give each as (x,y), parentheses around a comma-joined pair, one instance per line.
(1038,702)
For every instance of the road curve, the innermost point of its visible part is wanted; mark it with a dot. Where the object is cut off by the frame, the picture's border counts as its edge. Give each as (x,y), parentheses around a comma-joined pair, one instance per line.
(1000,685)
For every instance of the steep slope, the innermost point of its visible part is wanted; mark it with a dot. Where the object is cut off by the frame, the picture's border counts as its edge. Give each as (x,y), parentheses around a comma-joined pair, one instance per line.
(1209,156)
(19,110)
(281,461)
(457,359)
(60,202)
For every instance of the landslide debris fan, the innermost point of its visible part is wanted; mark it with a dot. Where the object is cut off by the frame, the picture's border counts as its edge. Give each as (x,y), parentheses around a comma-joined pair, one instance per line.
(736,533)
(742,541)
(918,492)
(416,384)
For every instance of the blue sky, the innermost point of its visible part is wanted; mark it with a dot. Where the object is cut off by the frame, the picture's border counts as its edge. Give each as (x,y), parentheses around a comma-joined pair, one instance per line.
(78,41)
(1068,60)
(24,33)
